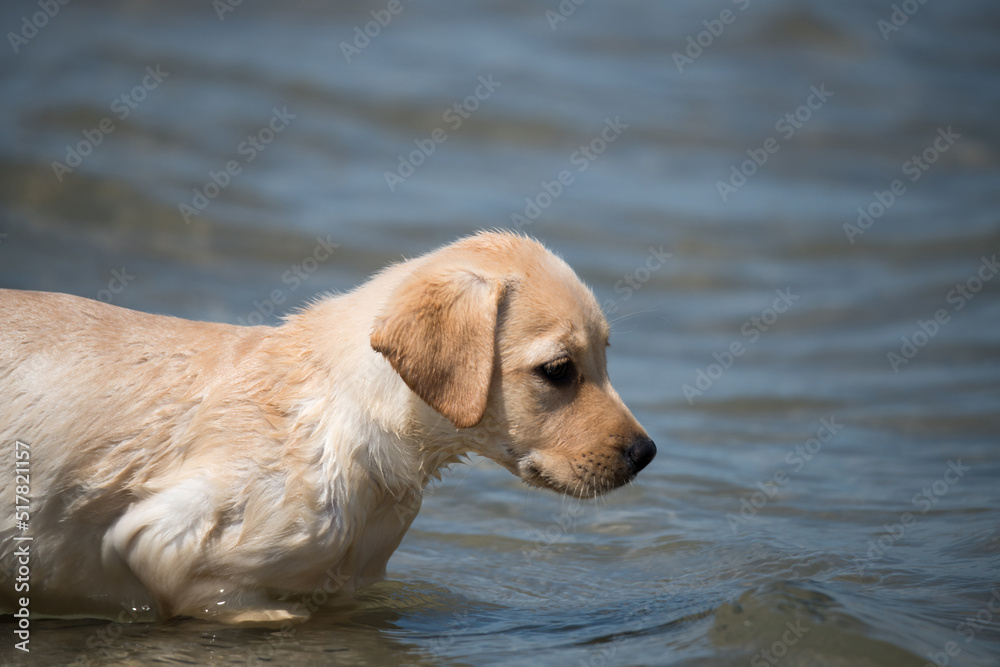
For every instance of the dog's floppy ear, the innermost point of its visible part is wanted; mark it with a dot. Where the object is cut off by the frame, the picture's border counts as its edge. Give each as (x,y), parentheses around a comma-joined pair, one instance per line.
(438,331)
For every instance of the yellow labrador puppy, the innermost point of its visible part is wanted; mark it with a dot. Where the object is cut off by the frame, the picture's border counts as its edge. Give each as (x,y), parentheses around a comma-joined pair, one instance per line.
(217,471)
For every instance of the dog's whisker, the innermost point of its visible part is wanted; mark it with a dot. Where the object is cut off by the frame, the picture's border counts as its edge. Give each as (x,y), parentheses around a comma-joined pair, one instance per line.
(622,318)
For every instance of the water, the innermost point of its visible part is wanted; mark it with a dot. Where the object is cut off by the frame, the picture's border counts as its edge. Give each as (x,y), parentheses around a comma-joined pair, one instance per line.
(761,534)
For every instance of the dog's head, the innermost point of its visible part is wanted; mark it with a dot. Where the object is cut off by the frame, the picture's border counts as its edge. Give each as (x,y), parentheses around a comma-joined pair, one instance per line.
(499,336)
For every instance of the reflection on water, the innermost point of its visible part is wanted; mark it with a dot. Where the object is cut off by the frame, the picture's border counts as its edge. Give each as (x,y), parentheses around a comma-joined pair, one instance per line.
(790,209)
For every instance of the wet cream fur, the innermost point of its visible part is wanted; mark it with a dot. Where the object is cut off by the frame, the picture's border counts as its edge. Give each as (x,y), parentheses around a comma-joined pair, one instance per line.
(223,472)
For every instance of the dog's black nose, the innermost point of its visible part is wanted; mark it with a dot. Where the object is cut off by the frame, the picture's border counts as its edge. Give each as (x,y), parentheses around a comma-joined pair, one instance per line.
(640,453)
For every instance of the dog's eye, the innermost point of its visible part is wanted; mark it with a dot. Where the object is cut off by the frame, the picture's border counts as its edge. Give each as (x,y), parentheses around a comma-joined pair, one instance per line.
(559,371)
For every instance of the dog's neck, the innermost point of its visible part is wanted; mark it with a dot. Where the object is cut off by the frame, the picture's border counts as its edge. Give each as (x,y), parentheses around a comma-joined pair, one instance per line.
(346,377)
(367,446)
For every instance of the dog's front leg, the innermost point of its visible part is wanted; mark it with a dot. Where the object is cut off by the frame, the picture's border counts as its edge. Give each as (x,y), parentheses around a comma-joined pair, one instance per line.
(173,543)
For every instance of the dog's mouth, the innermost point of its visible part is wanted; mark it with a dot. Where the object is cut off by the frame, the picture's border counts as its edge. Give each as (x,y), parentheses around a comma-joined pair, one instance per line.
(532,474)
(580,482)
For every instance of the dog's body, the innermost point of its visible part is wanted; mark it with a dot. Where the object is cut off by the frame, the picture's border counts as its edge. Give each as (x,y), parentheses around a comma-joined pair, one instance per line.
(223,472)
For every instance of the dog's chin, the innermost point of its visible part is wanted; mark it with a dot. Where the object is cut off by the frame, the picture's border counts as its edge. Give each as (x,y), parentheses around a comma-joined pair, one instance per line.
(533,474)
